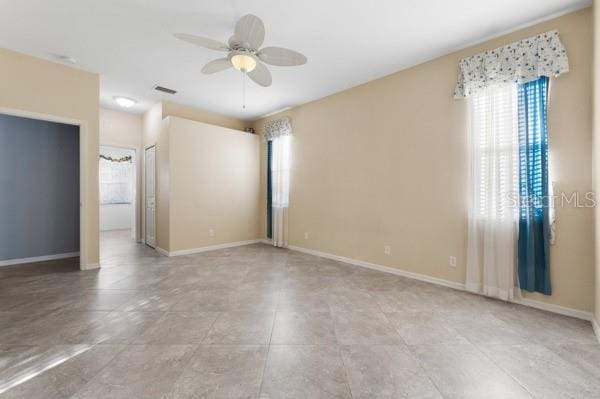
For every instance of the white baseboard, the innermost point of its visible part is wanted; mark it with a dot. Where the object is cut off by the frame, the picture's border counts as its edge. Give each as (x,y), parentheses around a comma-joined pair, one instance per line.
(90,266)
(10,262)
(579,314)
(381,268)
(162,251)
(207,248)
(596,328)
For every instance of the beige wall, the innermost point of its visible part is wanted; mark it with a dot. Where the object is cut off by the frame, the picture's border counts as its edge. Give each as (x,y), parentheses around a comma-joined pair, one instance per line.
(596,16)
(124,129)
(214,184)
(163,187)
(155,124)
(385,163)
(118,128)
(200,115)
(34,85)
(151,125)
(153,117)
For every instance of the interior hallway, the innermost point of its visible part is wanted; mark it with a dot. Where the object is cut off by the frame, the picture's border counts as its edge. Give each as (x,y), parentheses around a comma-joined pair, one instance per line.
(117,246)
(256,320)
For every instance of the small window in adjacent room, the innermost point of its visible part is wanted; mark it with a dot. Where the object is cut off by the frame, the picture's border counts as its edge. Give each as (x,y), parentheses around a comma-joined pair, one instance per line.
(116,178)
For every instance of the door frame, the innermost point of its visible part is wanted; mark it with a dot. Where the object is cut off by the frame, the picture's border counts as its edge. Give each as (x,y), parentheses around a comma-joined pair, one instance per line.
(138,184)
(144,198)
(83,140)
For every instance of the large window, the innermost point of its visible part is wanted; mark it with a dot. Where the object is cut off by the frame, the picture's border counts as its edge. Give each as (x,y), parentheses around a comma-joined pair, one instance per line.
(278,190)
(510,209)
(494,125)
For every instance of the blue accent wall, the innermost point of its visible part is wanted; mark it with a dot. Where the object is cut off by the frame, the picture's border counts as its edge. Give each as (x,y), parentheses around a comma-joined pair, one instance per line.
(39,188)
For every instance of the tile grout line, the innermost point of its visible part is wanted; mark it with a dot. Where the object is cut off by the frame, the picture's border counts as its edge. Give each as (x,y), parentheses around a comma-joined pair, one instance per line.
(219,315)
(422,367)
(262,378)
(499,367)
(339,346)
(124,346)
(133,344)
(345,369)
(183,369)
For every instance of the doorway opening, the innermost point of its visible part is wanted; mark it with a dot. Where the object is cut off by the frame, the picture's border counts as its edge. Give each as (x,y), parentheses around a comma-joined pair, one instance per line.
(117,176)
(150,197)
(41,197)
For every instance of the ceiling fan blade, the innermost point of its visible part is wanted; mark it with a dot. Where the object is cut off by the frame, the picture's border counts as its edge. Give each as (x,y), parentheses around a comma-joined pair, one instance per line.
(261,75)
(217,65)
(249,32)
(202,41)
(281,56)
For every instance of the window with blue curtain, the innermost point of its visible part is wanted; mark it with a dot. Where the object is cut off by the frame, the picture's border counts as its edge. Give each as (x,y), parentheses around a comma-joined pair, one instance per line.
(534,212)
(269,190)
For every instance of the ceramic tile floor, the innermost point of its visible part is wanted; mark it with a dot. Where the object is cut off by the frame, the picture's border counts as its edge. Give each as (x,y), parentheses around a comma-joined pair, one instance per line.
(256,321)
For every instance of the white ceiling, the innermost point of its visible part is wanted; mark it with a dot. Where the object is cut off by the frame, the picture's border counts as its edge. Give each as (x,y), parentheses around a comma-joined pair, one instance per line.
(130,43)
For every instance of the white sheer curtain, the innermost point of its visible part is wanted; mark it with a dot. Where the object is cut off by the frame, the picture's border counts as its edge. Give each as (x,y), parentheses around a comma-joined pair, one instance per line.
(493,210)
(280,178)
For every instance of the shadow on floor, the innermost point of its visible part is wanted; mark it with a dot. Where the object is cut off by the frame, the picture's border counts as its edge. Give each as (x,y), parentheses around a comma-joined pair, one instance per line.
(66,265)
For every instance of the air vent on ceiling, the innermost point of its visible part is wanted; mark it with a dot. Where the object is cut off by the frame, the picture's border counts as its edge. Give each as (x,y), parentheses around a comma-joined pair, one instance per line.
(164,89)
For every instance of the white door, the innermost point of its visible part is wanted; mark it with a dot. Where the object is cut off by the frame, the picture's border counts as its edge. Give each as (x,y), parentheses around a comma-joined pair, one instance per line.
(150,198)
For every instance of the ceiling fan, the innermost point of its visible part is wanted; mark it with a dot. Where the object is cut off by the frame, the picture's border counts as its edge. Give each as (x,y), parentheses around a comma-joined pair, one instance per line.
(245,53)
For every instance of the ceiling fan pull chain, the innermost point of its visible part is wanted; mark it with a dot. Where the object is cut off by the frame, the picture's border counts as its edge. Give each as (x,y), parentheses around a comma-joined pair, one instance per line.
(244,89)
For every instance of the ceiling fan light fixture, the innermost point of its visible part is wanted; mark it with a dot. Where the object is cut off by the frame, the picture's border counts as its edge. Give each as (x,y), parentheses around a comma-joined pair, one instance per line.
(245,53)
(243,62)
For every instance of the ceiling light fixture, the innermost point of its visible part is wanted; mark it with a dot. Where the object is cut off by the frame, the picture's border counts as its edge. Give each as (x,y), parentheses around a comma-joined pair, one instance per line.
(243,62)
(125,102)
(64,58)
(245,53)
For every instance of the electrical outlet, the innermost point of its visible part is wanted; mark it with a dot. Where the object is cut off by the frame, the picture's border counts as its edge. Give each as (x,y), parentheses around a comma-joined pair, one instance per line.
(387,250)
(211,233)
(306,236)
(452,261)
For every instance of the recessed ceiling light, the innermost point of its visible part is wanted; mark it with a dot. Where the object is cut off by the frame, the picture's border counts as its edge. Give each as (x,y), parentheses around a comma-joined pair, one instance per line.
(125,102)
(64,58)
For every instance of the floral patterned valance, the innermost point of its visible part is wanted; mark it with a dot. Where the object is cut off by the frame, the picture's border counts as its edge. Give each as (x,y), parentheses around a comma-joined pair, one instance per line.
(277,128)
(519,62)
